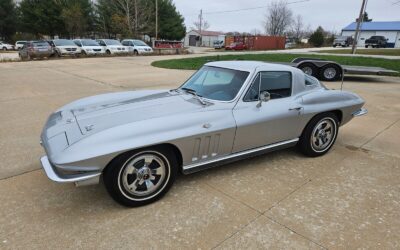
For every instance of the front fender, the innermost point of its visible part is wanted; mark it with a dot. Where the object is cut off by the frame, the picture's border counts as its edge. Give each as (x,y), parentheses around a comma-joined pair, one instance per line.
(198,136)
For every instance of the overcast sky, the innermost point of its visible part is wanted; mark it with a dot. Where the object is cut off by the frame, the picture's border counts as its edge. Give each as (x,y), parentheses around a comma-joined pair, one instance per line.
(332,15)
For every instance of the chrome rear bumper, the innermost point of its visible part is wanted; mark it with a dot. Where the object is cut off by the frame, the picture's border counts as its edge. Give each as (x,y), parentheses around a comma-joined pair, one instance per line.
(79,179)
(360,112)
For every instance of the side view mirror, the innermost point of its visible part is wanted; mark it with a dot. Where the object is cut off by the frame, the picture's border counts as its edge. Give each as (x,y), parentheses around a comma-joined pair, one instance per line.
(265,96)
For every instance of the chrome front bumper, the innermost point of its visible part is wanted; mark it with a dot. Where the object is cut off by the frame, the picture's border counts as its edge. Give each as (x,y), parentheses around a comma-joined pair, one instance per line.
(360,112)
(83,179)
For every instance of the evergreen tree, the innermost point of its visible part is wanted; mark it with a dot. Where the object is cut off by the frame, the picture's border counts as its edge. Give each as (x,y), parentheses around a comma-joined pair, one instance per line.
(7,19)
(317,38)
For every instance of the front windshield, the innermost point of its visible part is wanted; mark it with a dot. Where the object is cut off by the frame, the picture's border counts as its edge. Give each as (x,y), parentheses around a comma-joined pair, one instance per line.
(139,43)
(63,42)
(88,42)
(216,83)
(112,42)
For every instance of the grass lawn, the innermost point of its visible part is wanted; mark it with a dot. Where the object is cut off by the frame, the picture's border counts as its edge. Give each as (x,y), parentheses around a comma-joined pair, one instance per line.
(196,62)
(382,52)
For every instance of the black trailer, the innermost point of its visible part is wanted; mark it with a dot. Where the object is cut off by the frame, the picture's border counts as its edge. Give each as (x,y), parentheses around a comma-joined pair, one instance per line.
(332,71)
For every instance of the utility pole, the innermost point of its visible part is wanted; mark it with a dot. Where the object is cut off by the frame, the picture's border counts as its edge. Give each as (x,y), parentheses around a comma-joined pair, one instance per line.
(156,19)
(201,27)
(359,21)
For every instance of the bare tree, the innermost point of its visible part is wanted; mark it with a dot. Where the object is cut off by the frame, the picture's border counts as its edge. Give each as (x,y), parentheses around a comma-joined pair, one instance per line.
(203,25)
(255,32)
(278,18)
(298,30)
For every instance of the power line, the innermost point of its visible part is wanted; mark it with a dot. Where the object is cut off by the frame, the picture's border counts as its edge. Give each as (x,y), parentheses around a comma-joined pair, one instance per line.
(253,8)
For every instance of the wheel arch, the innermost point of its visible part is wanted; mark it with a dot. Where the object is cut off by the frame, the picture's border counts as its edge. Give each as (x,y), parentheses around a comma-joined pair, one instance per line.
(177,152)
(337,112)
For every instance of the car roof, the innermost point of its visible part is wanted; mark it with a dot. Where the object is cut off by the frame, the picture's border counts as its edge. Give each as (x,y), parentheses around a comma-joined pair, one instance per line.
(249,65)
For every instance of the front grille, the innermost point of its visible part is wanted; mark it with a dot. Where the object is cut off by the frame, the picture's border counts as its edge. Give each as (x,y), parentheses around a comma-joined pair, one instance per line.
(71,49)
(97,50)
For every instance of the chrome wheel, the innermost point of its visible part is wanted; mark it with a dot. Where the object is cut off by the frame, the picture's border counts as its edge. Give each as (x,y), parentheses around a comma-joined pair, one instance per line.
(330,73)
(323,135)
(143,175)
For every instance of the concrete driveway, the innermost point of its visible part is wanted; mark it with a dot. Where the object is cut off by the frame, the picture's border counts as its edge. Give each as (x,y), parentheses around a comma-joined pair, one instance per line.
(349,198)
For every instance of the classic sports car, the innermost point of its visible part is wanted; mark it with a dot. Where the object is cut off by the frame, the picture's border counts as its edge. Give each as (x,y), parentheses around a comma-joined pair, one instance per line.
(139,140)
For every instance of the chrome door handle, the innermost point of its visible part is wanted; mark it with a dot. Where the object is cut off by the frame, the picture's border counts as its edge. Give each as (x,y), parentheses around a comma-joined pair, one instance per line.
(297,109)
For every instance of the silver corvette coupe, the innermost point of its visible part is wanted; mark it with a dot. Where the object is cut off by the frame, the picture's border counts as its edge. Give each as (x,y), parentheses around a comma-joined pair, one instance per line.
(139,140)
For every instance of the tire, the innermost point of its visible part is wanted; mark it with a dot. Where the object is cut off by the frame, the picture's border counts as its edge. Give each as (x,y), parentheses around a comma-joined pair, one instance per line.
(135,53)
(4,48)
(366,46)
(309,69)
(83,53)
(108,52)
(334,46)
(142,182)
(330,72)
(311,139)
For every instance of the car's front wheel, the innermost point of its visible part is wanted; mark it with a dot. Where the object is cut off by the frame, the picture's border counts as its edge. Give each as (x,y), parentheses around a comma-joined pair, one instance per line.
(319,135)
(141,177)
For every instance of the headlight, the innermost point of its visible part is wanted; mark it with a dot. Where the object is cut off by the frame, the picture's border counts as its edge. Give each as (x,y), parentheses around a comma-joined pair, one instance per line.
(89,50)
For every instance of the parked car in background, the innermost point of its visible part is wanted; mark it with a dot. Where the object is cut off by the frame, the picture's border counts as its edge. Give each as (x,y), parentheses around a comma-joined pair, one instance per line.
(219,44)
(344,41)
(112,46)
(35,49)
(236,46)
(6,46)
(19,45)
(64,47)
(376,42)
(89,47)
(137,46)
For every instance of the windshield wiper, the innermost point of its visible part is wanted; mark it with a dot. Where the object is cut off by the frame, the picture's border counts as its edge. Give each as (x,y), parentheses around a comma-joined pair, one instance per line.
(194,93)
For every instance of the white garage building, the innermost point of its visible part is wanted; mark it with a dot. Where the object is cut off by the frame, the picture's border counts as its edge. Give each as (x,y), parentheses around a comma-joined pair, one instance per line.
(390,30)
(192,38)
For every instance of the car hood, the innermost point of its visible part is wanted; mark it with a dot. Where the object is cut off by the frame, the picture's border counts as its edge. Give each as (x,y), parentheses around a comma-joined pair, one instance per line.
(115,46)
(67,47)
(111,111)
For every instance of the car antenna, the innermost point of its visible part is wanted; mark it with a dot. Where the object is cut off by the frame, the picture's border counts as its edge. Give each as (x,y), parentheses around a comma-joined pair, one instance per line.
(341,86)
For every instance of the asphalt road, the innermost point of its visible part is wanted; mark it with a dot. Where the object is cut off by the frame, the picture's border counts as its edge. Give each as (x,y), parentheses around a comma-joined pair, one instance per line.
(349,198)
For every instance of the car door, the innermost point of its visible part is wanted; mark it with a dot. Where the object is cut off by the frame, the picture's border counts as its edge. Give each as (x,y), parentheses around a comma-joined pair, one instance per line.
(264,123)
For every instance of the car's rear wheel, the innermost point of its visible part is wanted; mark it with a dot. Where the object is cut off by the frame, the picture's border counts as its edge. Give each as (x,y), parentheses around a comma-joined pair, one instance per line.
(319,135)
(141,177)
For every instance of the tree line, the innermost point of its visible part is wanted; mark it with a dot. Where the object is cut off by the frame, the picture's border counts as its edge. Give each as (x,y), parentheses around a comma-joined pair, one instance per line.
(35,19)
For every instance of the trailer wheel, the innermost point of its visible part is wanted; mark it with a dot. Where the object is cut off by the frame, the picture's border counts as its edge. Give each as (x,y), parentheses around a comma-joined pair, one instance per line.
(309,69)
(330,72)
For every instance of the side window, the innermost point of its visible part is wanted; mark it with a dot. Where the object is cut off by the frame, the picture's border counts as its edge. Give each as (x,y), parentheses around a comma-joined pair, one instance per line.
(102,43)
(254,90)
(125,43)
(277,83)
